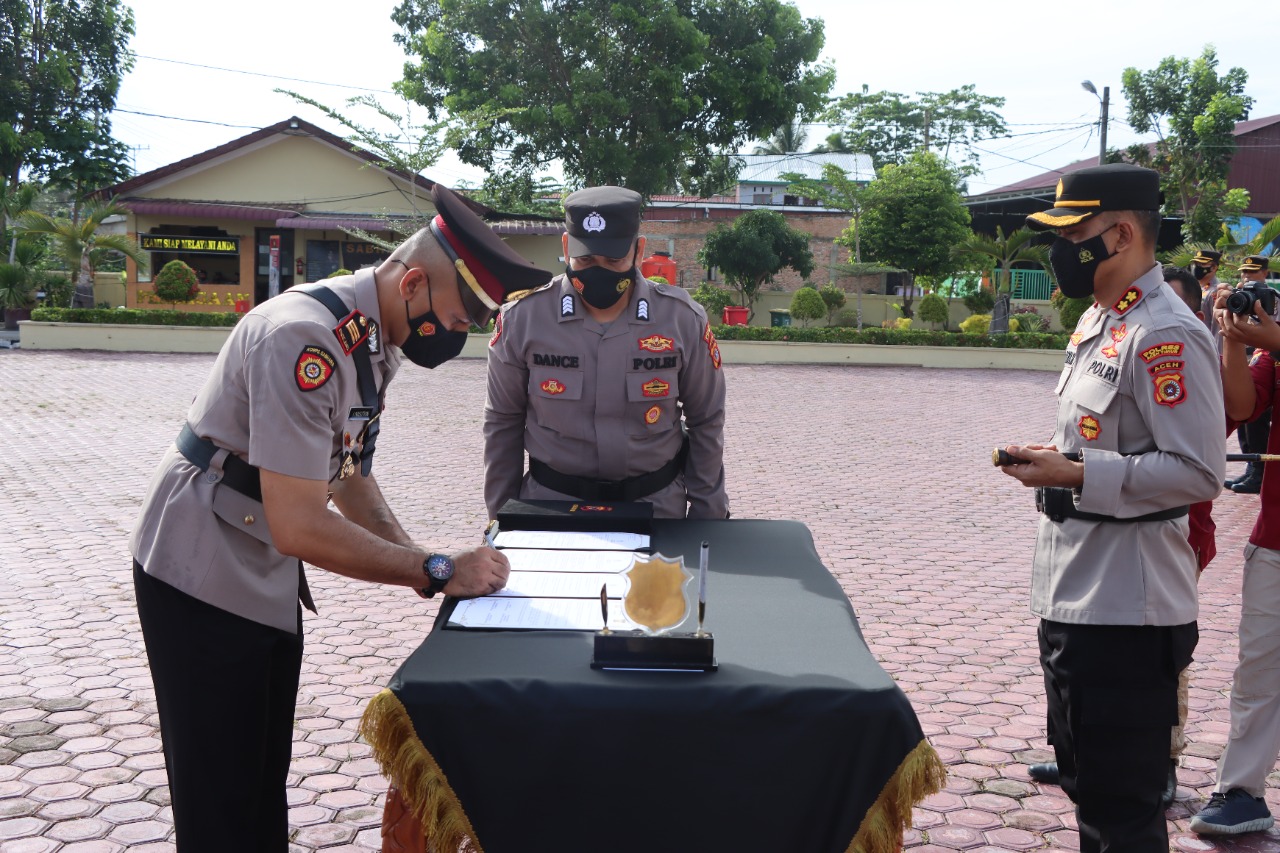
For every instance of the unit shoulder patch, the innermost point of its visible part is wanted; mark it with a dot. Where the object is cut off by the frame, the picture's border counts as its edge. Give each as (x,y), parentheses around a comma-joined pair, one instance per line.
(313,368)
(1160,350)
(1170,389)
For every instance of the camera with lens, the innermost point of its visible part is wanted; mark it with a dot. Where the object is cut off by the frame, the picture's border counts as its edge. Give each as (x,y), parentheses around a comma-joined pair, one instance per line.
(1243,298)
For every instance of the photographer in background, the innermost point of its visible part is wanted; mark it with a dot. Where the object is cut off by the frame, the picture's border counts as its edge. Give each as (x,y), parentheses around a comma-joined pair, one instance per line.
(1249,389)
(1252,436)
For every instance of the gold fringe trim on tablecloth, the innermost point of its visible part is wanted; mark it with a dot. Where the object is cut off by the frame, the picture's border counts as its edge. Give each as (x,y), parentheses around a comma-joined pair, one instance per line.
(920,774)
(412,769)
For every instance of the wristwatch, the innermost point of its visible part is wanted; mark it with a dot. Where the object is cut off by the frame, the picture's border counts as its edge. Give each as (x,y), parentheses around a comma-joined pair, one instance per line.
(439,570)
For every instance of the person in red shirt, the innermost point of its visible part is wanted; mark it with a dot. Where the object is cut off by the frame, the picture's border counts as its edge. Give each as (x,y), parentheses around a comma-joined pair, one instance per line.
(1250,387)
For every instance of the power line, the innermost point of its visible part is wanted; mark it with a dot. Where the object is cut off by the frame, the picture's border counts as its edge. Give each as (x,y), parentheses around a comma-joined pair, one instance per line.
(260,74)
(192,120)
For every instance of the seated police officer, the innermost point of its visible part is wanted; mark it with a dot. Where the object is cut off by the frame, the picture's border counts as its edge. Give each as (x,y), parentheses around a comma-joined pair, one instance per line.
(612,383)
(288,420)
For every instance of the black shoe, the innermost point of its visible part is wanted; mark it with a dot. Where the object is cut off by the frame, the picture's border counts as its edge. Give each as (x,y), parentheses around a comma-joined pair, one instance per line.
(1171,786)
(1046,773)
(1227,484)
(1247,486)
(1232,813)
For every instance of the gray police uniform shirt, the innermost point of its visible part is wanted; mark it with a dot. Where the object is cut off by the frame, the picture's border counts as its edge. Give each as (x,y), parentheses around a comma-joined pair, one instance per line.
(1140,396)
(606,402)
(284,397)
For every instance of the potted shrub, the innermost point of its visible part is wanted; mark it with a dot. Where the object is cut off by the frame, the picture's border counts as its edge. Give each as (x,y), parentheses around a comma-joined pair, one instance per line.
(17,294)
(176,282)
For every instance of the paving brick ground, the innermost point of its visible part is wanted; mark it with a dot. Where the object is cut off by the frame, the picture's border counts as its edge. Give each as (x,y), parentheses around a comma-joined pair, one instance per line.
(889,467)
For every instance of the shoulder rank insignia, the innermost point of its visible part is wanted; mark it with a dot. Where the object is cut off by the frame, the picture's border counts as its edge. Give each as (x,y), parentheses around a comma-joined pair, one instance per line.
(657,343)
(314,367)
(1125,302)
(1170,389)
(642,309)
(374,339)
(497,330)
(351,331)
(567,305)
(1164,350)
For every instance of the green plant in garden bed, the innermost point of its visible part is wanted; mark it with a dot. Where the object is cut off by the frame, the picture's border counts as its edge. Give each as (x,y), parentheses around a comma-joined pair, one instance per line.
(900,337)
(133,317)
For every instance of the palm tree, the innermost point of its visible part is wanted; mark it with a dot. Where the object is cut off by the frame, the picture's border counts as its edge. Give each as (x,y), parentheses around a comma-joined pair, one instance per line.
(1004,252)
(15,201)
(835,143)
(76,242)
(787,139)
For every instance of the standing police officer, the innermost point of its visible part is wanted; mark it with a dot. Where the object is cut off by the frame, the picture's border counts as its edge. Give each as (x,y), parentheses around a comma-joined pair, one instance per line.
(288,420)
(1114,579)
(611,383)
(1253,436)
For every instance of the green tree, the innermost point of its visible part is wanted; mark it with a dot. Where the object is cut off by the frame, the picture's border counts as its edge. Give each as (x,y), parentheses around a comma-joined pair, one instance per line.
(76,242)
(834,298)
(15,201)
(933,309)
(61,63)
(713,300)
(1193,112)
(807,304)
(648,94)
(1001,255)
(914,219)
(753,249)
(835,190)
(891,126)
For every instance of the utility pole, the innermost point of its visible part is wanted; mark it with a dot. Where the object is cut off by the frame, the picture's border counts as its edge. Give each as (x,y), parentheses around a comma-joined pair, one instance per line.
(134,149)
(1106,101)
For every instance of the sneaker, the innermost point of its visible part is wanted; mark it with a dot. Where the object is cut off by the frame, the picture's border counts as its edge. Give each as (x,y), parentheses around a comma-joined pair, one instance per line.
(1231,814)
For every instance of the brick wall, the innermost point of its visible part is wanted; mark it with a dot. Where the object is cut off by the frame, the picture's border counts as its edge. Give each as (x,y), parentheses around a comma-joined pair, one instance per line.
(682,231)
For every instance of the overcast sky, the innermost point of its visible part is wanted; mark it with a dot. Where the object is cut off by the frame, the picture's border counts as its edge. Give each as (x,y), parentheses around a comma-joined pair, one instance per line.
(1033,55)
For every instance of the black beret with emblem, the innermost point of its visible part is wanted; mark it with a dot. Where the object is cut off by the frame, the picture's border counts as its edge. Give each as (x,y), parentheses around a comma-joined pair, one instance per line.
(1255,263)
(488,269)
(602,221)
(1084,194)
(1206,257)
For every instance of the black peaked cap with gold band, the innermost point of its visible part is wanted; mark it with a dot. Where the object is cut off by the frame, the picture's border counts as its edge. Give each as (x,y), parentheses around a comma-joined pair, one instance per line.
(1206,257)
(1084,194)
(1255,263)
(488,269)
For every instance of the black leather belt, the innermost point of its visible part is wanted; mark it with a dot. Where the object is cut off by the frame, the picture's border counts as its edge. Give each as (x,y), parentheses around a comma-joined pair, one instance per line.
(1059,504)
(630,489)
(236,473)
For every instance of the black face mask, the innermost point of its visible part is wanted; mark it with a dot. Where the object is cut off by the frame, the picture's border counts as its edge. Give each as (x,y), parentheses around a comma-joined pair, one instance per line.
(430,344)
(600,287)
(1075,264)
(1199,272)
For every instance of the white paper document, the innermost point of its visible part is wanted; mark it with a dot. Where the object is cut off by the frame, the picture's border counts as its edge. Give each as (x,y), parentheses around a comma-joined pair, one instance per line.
(571,540)
(562,585)
(597,562)
(547,614)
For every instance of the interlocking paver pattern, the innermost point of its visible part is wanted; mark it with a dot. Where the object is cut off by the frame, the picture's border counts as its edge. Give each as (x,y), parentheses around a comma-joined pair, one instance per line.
(888,467)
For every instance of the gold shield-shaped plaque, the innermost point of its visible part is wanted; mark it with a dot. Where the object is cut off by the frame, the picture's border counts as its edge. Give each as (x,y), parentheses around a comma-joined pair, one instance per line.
(656,598)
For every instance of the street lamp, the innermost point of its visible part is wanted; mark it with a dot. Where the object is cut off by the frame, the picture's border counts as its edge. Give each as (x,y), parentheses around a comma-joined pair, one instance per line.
(1102,124)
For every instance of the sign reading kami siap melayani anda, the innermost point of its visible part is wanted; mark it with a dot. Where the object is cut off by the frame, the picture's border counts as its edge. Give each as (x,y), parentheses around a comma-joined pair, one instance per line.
(196,245)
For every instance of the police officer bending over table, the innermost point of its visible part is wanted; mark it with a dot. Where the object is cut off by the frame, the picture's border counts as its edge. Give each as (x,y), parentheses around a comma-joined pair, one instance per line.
(1114,579)
(611,382)
(287,420)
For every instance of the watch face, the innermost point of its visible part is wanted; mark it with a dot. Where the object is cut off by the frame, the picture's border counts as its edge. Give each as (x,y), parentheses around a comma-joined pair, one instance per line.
(440,567)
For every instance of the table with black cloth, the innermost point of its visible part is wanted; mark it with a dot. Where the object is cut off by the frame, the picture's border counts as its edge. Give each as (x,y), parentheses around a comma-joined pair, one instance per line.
(507,741)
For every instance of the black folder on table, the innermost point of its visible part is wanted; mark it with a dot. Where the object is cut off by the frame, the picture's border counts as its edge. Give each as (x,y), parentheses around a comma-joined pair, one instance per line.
(576,515)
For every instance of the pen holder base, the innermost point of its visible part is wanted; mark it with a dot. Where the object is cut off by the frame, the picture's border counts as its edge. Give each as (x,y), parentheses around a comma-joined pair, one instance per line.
(685,652)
